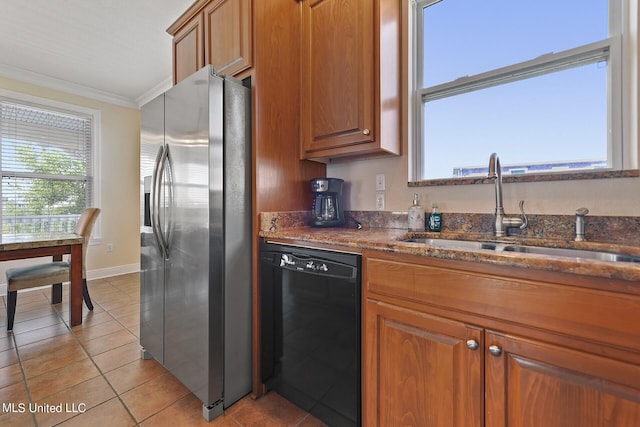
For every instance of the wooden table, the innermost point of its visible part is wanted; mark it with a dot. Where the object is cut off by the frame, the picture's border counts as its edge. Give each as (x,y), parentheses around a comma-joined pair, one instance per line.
(54,245)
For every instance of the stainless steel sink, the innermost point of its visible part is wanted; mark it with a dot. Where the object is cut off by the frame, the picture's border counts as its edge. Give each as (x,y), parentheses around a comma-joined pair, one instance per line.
(540,250)
(573,253)
(454,244)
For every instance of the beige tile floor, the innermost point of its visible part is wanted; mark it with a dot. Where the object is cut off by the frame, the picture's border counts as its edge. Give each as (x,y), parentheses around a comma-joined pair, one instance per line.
(92,374)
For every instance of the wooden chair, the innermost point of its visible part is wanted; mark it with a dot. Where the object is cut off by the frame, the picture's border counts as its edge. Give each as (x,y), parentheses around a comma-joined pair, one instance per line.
(51,273)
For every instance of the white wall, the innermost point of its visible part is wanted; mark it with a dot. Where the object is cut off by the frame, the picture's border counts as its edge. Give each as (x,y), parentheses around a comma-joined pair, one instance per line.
(119,176)
(602,197)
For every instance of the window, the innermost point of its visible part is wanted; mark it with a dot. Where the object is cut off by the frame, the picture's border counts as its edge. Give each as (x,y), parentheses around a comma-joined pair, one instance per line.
(46,165)
(540,83)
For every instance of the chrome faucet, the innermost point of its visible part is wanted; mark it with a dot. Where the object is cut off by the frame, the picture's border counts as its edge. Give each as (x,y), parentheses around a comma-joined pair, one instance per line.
(502,222)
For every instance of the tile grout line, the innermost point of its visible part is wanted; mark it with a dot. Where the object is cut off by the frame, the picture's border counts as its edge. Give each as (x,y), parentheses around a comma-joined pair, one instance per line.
(24,375)
(138,423)
(58,311)
(135,420)
(152,415)
(24,379)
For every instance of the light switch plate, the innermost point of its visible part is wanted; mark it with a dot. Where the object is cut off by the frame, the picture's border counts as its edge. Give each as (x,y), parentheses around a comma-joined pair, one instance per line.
(380,184)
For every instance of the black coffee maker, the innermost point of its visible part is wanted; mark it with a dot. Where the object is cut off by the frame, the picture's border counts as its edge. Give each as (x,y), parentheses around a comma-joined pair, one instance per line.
(327,208)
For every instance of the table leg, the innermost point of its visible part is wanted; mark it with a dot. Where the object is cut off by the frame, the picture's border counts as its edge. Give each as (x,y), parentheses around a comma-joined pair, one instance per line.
(75,287)
(56,289)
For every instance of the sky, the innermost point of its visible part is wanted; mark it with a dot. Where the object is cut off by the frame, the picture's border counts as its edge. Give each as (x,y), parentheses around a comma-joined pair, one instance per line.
(558,116)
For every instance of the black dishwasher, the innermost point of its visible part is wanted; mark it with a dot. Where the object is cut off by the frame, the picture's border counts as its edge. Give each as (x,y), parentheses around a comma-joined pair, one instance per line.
(310,313)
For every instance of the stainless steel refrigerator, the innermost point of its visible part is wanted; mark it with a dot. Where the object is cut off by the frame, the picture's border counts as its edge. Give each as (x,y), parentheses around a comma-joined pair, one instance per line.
(196,258)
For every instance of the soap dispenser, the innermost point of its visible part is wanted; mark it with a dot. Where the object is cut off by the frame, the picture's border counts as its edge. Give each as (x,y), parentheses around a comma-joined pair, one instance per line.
(416,215)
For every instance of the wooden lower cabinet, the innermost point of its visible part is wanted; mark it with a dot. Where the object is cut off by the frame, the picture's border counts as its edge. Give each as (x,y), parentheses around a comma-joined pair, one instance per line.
(530,383)
(419,370)
(436,359)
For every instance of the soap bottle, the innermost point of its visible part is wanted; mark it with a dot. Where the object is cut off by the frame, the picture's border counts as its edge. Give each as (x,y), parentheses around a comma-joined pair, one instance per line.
(416,215)
(435,218)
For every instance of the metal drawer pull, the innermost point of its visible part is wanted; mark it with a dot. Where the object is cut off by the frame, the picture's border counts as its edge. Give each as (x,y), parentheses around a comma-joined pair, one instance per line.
(366,132)
(473,344)
(495,350)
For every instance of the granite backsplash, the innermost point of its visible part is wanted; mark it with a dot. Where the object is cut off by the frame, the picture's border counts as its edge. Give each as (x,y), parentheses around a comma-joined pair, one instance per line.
(609,229)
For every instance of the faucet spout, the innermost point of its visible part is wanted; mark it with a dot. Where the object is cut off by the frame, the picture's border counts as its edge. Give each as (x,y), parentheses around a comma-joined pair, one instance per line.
(501,221)
(495,173)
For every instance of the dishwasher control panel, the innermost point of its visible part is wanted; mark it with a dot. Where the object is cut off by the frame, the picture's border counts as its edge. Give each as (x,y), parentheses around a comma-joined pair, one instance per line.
(288,260)
(312,265)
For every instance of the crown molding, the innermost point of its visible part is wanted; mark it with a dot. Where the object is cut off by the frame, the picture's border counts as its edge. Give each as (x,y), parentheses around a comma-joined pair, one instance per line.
(155,91)
(32,77)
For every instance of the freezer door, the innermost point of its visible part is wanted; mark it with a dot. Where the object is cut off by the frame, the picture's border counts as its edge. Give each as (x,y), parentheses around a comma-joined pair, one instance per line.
(237,241)
(189,316)
(151,260)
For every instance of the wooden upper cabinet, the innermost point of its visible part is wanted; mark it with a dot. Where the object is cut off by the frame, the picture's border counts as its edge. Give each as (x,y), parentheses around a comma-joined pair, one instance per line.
(228,35)
(216,32)
(350,92)
(188,49)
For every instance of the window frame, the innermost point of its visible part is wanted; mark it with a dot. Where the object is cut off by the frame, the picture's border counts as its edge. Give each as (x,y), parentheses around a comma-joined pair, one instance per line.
(622,141)
(59,106)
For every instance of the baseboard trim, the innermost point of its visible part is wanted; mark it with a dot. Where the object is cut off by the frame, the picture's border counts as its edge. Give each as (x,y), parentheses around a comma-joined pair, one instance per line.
(113,271)
(100,273)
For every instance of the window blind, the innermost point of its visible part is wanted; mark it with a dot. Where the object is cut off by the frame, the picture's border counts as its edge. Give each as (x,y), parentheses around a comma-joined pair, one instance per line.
(46,167)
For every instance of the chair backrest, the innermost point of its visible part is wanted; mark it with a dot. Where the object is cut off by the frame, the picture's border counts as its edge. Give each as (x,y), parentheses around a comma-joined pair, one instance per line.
(85,223)
(84,228)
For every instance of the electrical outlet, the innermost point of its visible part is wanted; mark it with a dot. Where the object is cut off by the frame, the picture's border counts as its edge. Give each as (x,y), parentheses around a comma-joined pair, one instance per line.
(380,184)
(109,247)
(380,201)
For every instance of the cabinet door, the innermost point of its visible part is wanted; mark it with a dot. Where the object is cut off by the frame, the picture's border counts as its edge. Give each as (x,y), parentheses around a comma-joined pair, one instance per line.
(228,35)
(534,384)
(188,51)
(337,99)
(419,370)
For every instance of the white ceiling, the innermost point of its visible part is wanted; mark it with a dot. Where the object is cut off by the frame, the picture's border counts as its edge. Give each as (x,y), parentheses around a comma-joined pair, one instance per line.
(116,51)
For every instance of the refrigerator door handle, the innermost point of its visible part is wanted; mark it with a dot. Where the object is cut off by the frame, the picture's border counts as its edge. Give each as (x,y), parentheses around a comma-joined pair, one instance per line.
(170,188)
(156,192)
(160,190)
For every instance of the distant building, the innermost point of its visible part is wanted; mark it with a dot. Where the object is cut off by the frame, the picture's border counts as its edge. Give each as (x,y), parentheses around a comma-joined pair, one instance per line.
(519,169)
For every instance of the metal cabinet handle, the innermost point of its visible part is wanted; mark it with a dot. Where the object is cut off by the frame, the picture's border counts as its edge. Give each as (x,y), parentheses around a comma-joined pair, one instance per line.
(366,132)
(495,350)
(473,344)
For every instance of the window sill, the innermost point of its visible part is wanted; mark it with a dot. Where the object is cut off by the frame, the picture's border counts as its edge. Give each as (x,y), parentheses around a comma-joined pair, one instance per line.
(540,177)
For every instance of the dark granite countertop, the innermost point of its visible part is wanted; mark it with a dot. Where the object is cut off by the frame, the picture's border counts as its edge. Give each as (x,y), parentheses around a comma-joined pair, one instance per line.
(390,240)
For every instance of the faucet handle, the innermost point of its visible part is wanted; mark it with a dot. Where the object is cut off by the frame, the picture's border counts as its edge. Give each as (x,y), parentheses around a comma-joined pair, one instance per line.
(525,221)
